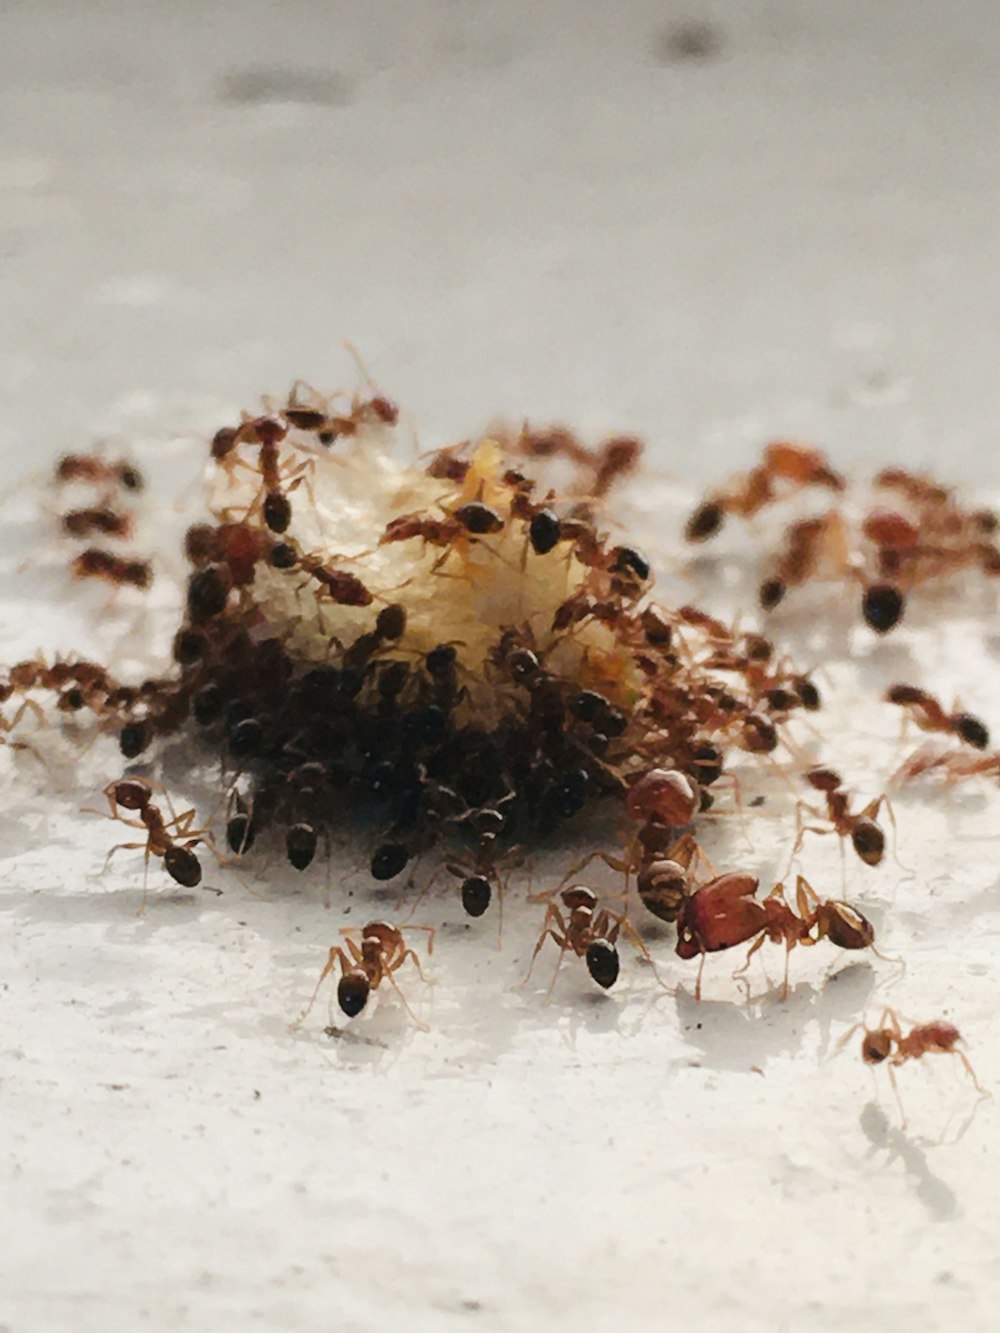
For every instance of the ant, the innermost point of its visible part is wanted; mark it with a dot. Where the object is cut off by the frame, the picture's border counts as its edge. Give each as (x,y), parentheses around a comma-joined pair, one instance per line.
(97,564)
(365,966)
(267,433)
(100,519)
(92,469)
(929,715)
(315,416)
(479,871)
(955,763)
(817,919)
(794,464)
(341,586)
(888,1042)
(862,827)
(590,931)
(162,836)
(812,545)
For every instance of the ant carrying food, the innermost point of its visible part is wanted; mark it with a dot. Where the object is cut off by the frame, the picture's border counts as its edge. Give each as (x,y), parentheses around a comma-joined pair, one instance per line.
(381,952)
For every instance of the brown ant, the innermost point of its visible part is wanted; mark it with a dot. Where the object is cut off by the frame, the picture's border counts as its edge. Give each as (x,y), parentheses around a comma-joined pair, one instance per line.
(101,520)
(956,765)
(795,465)
(888,1043)
(862,827)
(340,585)
(381,952)
(929,715)
(816,919)
(94,563)
(92,469)
(589,931)
(172,840)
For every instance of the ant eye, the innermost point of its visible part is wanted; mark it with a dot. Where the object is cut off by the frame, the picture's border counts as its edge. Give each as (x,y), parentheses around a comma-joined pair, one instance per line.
(352,993)
(602,963)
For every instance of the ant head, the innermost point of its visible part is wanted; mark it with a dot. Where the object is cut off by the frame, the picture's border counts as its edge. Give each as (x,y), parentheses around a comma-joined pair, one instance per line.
(183,866)
(602,963)
(876,1046)
(869,841)
(476,894)
(578,897)
(132,793)
(824,779)
(352,993)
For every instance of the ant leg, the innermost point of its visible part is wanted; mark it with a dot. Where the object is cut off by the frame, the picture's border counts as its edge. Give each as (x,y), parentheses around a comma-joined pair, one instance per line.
(630,930)
(701,969)
(899,1101)
(972,1074)
(395,986)
(431,932)
(552,913)
(742,971)
(563,946)
(122,847)
(334,957)
(615,864)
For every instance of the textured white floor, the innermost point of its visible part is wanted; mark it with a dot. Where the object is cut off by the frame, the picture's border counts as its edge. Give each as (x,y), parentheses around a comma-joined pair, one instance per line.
(525,209)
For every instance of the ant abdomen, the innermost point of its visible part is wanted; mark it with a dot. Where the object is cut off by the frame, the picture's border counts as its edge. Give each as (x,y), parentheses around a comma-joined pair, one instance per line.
(183,866)
(602,963)
(353,990)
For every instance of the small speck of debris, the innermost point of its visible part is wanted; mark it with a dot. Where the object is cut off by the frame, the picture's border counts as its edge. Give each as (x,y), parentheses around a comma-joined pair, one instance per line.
(689,40)
(472,1306)
(256,1094)
(757,802)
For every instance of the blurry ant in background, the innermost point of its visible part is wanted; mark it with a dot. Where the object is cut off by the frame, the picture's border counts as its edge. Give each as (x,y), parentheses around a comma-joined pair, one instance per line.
(929,715)
(600,468)
(94,470)
(110,568)
(888,1044)
(381,953)
(784,469)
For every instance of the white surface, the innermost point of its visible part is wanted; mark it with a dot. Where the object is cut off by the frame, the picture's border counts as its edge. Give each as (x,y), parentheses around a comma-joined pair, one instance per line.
(509,208)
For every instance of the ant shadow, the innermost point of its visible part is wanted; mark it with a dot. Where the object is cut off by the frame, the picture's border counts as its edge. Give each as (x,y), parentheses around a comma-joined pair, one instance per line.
(738,1037)
(935,1194)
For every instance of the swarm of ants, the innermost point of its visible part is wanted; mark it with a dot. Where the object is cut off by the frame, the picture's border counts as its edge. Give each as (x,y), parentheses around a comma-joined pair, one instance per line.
(910,535)
(460,662)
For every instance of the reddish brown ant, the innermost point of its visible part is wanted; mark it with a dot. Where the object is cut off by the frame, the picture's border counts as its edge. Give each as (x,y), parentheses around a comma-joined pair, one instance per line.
(92,469)
(381,952)
(340,585)
(888,1044)
(862,827)
(783,469)
(929,715)
(172,840)
(94,563)
(816,919)
(589,931)
(102,520)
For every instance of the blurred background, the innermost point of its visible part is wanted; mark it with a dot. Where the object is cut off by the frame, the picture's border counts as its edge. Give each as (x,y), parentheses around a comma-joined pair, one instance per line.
(707,222)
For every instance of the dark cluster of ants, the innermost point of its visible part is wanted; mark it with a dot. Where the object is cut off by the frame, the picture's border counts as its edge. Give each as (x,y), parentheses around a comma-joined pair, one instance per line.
(917,535)
(340,696)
